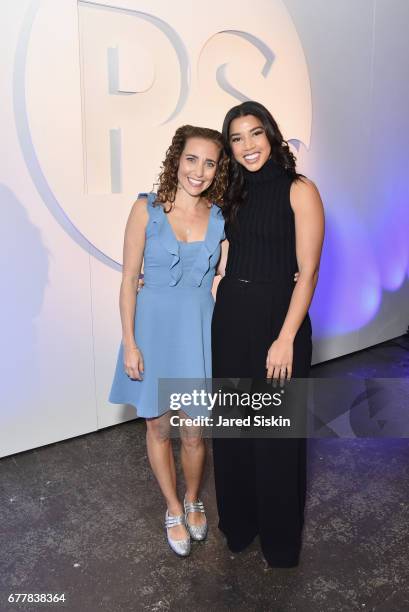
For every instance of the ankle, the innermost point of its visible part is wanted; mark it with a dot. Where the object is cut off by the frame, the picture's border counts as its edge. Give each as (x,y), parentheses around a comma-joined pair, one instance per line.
(191,497)
(175,509)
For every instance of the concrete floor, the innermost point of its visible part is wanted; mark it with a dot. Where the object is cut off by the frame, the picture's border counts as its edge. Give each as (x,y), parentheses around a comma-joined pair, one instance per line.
(84,517)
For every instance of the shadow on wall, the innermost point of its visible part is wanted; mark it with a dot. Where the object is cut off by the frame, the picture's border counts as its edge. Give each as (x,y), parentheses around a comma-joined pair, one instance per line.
(24,276)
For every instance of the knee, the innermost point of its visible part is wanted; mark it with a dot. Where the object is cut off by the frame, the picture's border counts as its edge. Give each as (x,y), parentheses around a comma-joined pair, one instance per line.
(191,441)
(157,431)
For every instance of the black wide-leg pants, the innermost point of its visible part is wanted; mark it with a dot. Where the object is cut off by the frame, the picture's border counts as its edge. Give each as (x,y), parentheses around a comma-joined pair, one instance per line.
(260,482)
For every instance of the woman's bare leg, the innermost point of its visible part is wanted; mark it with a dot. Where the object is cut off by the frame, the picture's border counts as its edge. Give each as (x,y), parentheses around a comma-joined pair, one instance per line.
(193,456)
(172,465)
(160,454)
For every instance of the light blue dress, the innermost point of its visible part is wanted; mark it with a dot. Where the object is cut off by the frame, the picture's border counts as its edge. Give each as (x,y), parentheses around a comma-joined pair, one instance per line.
(173,312)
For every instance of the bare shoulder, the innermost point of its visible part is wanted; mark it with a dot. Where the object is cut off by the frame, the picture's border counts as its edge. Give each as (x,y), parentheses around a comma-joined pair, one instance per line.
(303,186)
(304,192)
(140,207)
(139,212)
(137,220)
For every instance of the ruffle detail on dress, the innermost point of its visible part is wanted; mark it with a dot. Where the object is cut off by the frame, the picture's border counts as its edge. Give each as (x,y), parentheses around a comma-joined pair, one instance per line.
(215,234)
(166,237)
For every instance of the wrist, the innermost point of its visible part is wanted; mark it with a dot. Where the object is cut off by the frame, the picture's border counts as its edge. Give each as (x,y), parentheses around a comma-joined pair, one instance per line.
(129,344)
(286,336)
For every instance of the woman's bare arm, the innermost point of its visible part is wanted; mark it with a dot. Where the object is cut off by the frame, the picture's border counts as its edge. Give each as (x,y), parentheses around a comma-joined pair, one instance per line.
(309,233)
(309,230)
(221,267)
(134,244)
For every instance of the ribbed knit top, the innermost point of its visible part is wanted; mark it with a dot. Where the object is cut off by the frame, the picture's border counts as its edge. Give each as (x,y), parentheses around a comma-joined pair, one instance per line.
(262,244)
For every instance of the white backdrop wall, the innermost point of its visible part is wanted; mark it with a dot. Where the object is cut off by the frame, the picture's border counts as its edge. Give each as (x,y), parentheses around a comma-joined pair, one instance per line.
(91,95)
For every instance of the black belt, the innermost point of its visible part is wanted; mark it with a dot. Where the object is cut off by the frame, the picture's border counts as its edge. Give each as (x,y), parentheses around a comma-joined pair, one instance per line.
(247,280)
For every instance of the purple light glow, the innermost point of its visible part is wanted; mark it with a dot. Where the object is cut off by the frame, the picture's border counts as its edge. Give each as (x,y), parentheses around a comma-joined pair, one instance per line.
(390,243)
(349,290)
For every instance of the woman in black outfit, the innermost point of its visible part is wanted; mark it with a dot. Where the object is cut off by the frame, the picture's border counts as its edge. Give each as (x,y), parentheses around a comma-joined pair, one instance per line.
(261,328)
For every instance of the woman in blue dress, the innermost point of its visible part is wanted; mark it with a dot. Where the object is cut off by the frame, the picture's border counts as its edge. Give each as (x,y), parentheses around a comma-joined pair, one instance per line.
(166,327)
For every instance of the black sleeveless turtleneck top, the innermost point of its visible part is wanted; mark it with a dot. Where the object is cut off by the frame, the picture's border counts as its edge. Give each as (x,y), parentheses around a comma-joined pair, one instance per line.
(262,242)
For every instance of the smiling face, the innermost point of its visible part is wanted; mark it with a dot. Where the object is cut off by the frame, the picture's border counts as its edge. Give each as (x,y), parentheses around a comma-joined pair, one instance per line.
(198,165)
(249,143)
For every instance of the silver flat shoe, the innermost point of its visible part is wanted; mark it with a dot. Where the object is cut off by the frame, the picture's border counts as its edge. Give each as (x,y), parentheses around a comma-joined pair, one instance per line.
(180,547)
(197,532)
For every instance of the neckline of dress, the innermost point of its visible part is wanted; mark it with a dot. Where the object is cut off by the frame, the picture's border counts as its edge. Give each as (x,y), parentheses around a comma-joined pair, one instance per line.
(190,241)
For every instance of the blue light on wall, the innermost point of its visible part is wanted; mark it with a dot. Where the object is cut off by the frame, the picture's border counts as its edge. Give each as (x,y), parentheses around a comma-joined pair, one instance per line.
(349,289)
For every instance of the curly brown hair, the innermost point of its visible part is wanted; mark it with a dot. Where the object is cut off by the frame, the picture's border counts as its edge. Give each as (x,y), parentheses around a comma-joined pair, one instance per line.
(168,180)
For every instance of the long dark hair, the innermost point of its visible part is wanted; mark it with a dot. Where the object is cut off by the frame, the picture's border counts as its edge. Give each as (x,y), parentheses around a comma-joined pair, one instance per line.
(280,154)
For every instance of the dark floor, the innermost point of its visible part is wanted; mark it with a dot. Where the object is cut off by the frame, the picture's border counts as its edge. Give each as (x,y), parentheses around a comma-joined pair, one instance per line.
(84,517)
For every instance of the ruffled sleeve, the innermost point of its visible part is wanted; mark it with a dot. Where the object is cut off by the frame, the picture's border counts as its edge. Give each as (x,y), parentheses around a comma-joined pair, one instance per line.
(215,234)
